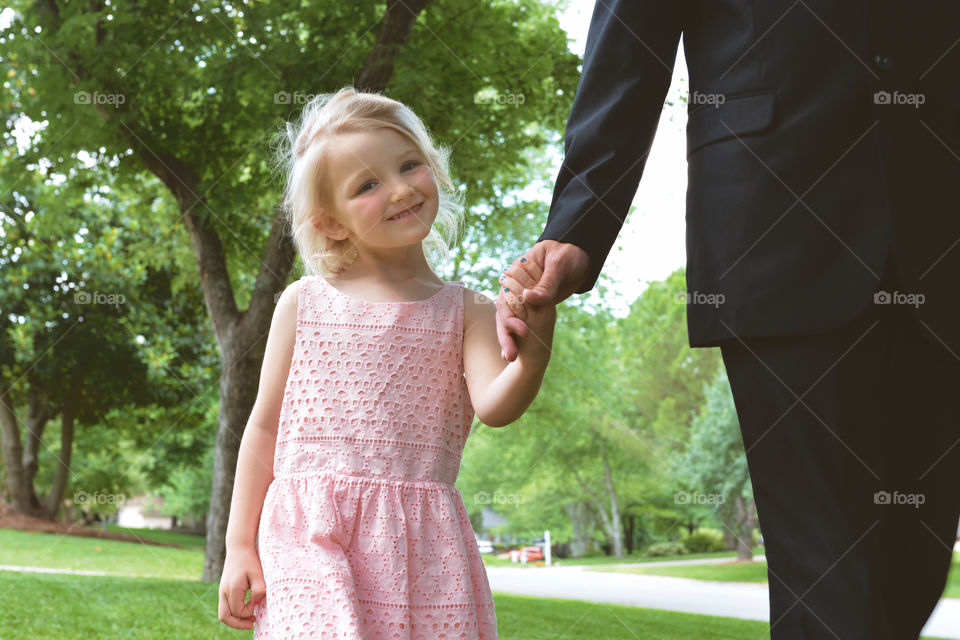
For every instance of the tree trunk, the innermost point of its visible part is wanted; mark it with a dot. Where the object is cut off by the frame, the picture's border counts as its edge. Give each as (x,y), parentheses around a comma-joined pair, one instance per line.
(745,522)
(581,521)
(62,474)
(238,390)
(13,456)
(37,417)
(616,531)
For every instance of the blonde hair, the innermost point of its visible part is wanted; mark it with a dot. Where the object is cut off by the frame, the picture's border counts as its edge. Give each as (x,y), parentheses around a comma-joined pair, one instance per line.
(301,153)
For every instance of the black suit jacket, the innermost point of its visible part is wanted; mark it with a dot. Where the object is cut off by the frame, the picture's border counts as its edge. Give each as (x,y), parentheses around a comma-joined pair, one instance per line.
(823,136)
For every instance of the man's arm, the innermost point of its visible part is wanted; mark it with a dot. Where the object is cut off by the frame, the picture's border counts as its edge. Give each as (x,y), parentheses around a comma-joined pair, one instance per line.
(627,68)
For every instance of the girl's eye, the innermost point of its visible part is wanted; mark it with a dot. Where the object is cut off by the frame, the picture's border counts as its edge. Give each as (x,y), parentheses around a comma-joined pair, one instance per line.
(406,166)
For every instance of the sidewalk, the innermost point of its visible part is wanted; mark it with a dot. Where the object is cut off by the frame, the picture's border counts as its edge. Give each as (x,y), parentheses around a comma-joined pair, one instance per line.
(730,599)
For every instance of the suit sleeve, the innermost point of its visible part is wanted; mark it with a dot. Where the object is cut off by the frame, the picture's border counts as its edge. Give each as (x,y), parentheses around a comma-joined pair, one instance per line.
(627,67)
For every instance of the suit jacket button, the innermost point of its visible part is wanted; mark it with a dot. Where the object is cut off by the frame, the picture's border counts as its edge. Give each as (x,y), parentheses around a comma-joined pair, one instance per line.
(882,62)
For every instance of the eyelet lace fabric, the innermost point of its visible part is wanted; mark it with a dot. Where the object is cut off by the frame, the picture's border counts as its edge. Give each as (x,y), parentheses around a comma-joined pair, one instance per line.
(363,534)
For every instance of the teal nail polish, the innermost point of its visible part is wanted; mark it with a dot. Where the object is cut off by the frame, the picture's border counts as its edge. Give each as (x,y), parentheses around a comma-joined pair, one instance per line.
(505,289)
(523,259)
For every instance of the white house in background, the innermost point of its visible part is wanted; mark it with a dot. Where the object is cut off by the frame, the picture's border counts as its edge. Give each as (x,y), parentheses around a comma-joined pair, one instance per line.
(144,512)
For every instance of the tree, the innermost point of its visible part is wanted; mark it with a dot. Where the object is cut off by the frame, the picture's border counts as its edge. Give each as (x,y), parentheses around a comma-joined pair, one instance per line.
(715,464)
(72,337)
(192,92)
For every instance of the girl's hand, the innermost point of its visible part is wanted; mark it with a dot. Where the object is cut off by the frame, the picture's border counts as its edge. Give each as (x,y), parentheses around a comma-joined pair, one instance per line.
(541,321)
(538,320)
(511,288)
(241,571)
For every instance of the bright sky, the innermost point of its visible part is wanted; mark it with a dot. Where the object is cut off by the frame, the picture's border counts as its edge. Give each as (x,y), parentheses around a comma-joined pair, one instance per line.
(652,243)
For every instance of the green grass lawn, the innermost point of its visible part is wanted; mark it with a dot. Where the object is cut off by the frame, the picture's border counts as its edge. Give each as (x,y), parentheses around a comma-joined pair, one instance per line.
(159,535)
(24,548)
(752,572)
(62,606)
(74,607)
(169,601)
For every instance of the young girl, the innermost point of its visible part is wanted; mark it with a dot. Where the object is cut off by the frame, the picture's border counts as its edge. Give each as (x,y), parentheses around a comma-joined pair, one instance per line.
(345,521)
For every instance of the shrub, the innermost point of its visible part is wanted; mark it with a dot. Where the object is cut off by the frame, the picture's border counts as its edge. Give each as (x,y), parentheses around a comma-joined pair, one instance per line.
(704,542)
(661,549)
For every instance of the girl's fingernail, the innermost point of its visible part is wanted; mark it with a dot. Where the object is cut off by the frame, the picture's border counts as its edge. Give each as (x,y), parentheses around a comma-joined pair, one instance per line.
(507,290)
(503,355)
(523,259)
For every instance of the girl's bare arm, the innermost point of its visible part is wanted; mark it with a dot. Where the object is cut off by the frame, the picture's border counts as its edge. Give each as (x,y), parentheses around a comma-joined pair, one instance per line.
(502,391)
(255,460)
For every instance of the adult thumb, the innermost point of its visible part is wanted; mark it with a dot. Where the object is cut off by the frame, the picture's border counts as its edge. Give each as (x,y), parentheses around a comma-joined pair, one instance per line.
(545,291)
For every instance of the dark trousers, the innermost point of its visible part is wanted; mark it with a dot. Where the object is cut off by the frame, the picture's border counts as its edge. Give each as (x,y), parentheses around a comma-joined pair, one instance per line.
(853,444)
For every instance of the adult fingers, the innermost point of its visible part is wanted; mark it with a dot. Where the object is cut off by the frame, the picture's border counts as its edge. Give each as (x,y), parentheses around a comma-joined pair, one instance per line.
(511,292)
(526,271)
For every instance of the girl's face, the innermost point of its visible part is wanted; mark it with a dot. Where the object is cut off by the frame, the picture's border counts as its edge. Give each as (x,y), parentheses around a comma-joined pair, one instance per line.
(382,194)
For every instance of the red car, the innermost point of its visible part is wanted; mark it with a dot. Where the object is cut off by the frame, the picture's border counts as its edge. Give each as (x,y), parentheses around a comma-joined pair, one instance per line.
(528,554)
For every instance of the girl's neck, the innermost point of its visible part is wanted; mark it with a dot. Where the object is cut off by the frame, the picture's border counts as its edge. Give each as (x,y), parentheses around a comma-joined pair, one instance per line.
(398,269)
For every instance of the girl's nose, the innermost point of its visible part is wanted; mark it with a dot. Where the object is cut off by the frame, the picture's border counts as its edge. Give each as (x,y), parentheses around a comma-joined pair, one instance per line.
(401,191)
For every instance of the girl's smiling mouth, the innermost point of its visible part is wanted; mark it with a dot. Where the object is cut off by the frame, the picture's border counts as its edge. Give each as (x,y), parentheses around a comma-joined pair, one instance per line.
(406,213)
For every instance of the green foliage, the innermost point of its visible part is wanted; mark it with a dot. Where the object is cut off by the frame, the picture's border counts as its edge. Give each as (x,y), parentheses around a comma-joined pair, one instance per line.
(714,462)
(704,542)
(187,491)
(666,548)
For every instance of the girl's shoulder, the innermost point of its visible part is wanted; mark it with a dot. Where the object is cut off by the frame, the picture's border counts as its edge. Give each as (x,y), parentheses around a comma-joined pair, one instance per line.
(288,301)
(476,306)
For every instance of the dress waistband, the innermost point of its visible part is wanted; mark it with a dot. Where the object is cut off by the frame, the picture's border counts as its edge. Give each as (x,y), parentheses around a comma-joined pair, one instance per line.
(365,480)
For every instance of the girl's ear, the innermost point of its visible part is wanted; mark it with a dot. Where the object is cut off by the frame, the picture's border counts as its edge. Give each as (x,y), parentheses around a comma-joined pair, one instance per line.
(329,226)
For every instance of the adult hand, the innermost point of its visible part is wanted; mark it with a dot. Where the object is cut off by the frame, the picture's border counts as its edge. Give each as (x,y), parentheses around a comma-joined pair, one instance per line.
(547,274)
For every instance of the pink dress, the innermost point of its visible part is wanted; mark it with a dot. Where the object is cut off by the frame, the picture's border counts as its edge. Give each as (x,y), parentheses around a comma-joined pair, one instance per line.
(363,534)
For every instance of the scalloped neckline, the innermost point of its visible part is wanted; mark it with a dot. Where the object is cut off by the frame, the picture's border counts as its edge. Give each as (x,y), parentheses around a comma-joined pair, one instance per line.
(383,302)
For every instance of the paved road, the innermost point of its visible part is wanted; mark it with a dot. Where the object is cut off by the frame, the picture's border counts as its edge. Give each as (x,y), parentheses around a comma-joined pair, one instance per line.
(730,599)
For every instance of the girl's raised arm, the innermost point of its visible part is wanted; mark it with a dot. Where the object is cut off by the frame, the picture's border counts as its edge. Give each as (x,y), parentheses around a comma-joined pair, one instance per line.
(500,391)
